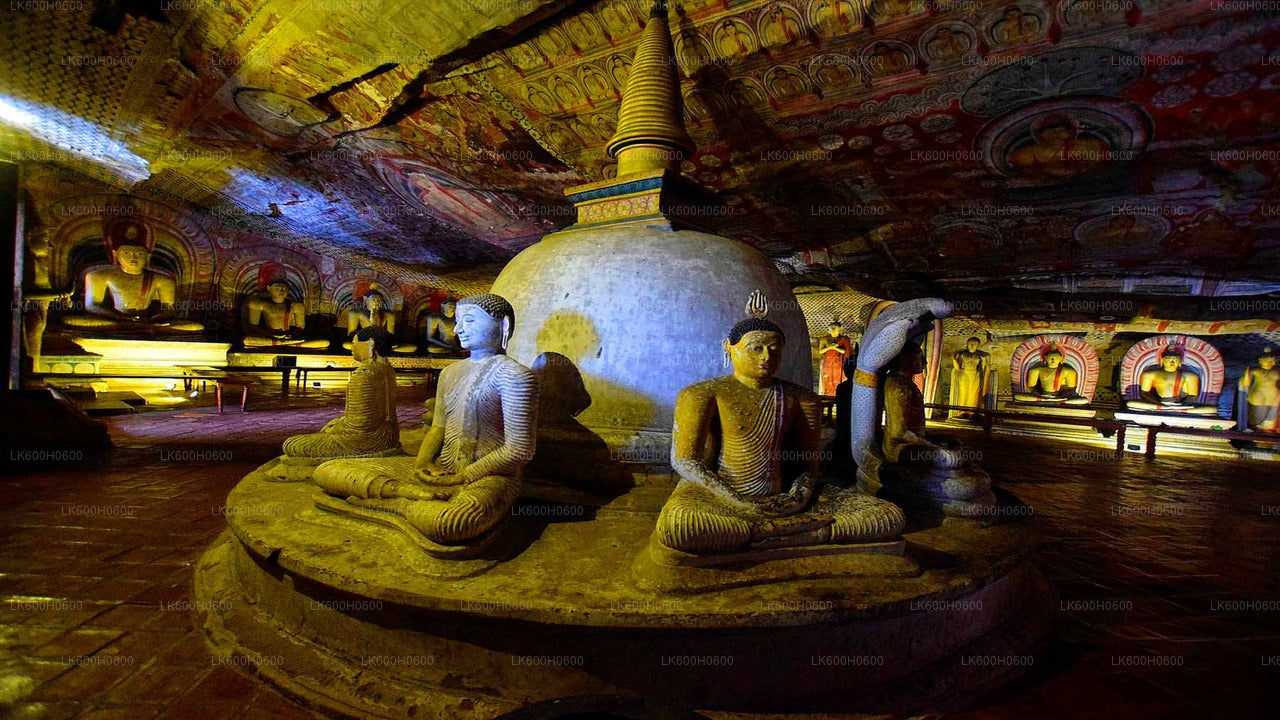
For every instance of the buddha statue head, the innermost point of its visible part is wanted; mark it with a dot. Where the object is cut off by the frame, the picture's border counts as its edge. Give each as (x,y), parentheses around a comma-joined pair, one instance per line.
(1052,357)
(1267,360)
(755,347)
(1171,358)
(910,361)
(834,328)
(370,343)
(485,323)
(972,344)
(278,291)
(375,301)
(449,308)
(130,244)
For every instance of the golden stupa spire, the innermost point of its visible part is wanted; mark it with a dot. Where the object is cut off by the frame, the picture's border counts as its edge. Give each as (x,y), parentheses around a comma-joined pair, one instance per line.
(651,134)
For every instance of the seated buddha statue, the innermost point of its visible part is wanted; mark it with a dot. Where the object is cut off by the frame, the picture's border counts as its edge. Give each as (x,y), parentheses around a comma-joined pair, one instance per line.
(1052,382)
(276,320)
(1169,388)
(375,314)
(467,473)
(130,298)
(441,333)
(368,426)
(1261,385)
(747,449)
(928,469)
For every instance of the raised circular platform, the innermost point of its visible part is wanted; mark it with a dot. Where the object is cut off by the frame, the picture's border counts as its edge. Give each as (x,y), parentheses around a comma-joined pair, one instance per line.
(354,619)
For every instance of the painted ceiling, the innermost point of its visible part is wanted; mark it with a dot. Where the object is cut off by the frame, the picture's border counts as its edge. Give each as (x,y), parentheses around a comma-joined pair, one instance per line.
(897,147)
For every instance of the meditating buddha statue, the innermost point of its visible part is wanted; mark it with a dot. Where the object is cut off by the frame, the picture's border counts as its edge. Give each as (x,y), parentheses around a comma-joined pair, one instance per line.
(968,375)
(467,473)
(441,331)
(368,426)
(1052,382)
(747,449)
(276,320)
(130,298)
(928,470)
(1169,388)
(1261,383)
(375,314)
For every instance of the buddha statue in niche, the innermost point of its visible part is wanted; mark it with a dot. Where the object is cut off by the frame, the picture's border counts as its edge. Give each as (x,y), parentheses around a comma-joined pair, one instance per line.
(276,320)
(1261,385)
(1169,388)
(747,448)
(467,473)
(968,375)
(130,298)
(1052,382)
(440,333)
(368,426)
(375,314)
(933,469)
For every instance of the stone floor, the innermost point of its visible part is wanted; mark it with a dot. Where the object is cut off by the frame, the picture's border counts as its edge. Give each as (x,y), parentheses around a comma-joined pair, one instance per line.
(1167,570)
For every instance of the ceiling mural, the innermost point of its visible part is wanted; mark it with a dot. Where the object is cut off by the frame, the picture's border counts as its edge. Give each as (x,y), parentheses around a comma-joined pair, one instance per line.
(893,146)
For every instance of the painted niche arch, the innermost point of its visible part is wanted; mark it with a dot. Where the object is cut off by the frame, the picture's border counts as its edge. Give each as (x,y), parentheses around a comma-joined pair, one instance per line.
(1197,355)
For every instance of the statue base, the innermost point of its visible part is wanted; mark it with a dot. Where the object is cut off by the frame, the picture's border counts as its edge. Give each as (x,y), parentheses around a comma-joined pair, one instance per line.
(1207,422)
(1051,410)
(353,619)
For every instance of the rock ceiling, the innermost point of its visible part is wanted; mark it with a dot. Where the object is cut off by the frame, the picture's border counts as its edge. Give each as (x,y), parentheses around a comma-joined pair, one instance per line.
(896,147)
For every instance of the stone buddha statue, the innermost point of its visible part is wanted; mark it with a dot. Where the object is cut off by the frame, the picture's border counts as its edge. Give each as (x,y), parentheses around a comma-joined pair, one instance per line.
(441,333)
(934,470)
(130,298)
(747,449)
(1261,385)
(968,375)
(276,320)
(1052,382)
(375,314)
(1169,388)
(467,473)
(368,426)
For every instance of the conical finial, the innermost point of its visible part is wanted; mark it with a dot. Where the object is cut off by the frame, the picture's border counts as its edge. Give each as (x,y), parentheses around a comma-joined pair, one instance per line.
(651,134)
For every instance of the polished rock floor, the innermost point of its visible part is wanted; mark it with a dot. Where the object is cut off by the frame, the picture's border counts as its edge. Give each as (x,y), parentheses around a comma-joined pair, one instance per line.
(1167,571)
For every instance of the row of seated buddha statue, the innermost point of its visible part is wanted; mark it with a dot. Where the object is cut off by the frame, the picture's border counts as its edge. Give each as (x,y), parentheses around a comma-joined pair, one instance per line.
(746,446)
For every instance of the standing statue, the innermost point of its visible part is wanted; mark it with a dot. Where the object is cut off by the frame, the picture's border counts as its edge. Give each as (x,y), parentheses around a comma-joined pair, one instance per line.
(1170,387)
(441,332)
(375,314)
(276,320)
(368,426)
(969,376)
(130,297)
(1261,382)
(1052,382)
(747,449)
(833,349)
(900,461)
(467,473)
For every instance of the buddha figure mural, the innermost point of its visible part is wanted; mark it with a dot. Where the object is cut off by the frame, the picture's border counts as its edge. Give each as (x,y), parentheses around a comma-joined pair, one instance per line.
(833,349)
(368,426)
(467,475)
(969,376)
(1052,382)
(130,298)
(375,313)
(747,447)
(1169,387)
(1261,385)
(440,333)
(277,320)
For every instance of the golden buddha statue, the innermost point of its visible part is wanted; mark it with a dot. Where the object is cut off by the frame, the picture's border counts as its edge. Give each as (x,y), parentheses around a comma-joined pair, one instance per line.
(1169,388)
(1052,382)
(375,314)
(933,470)
(441,331)
(747,449)
(467,473)
(968,375)
(130,297)
(1261,383)
(368,426)
(276,320)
